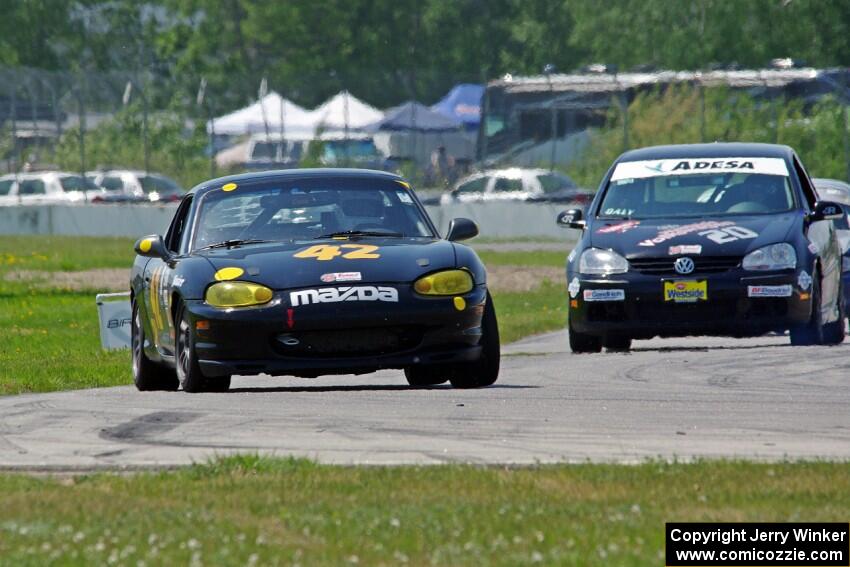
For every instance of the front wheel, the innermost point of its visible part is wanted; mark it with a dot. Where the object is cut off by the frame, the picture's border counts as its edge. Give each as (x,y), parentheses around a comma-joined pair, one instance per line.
(484,371)
(147,374)
(188,369)
(581,343)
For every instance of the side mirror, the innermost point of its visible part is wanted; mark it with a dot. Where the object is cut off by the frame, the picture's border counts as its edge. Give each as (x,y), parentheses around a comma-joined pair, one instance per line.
(572,218)
(826,210)
(461,229)
(152,246)
(842,223)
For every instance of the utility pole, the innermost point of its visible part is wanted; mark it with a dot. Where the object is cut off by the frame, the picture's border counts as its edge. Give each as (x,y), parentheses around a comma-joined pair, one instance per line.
(548,69)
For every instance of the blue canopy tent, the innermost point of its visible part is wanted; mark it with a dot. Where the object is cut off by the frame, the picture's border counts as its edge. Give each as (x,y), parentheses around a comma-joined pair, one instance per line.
(462,103)
(412,116)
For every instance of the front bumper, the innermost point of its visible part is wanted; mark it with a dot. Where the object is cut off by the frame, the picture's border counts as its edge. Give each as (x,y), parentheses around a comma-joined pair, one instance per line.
(642,311)
(345,337)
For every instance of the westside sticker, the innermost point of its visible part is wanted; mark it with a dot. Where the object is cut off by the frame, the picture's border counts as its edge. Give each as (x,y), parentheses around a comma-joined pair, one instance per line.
(604,295)
(619,227)
(769,290)
(686,291)
(685,249)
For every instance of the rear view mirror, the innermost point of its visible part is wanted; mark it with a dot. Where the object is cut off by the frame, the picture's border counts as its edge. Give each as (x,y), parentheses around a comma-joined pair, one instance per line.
(572,218)
(826,210)
(461,229)
(151,246)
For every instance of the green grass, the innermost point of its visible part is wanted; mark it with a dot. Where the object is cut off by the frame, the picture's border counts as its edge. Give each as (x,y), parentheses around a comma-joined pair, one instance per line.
(52,342)
(55,253)
(524,239)
(51,337)
(247,509)
(524,314)
(520,258)
(534,312)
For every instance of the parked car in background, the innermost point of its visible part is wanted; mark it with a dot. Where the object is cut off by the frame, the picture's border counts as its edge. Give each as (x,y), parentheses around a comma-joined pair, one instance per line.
(517,184)
(839,192)
(125,185)
(46,187)
(833,190)
(273,152)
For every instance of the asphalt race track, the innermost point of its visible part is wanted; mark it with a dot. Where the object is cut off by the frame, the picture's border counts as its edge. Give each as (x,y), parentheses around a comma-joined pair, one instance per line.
(674,398)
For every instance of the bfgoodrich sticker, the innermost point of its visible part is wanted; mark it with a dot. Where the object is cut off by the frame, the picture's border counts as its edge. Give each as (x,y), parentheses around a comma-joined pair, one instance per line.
(604,295)
(769,290)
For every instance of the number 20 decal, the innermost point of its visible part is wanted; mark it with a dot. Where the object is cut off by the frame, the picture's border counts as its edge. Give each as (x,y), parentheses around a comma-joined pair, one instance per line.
(324,252)
(728,234)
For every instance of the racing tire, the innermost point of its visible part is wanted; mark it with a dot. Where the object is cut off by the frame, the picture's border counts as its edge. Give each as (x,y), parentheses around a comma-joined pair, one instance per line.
(834,333)
(581,343)
(617,343)
(189,372)
(148,375)
(484,371)
(811,333)
(422,376)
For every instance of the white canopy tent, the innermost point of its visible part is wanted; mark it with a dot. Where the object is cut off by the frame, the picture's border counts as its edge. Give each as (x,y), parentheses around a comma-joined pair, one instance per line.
(272,111)
(345,110)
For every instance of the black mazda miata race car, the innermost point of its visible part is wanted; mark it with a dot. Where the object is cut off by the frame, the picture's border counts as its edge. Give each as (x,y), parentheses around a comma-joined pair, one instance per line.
(309,272)
(704,239)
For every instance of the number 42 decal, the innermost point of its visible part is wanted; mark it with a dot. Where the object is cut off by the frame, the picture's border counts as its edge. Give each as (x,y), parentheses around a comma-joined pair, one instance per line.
(325,252)
(728,234)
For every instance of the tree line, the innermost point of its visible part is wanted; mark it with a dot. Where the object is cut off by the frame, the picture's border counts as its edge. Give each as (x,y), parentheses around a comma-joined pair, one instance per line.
(387,51)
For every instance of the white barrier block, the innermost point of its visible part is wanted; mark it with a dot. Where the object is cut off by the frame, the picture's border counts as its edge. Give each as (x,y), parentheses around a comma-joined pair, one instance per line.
(115,315)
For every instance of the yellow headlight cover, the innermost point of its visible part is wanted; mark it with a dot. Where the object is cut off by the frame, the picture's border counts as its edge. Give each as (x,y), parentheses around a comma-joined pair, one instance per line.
(449,282)
(237,294)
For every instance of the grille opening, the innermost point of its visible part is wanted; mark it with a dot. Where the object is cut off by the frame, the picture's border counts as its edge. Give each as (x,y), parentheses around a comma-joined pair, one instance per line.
(702,264)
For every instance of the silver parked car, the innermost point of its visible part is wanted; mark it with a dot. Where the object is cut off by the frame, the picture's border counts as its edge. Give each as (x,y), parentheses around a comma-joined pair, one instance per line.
(126,185)
(517,184)
(46,187)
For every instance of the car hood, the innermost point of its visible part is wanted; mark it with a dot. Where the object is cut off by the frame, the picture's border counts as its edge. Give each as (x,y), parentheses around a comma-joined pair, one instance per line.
(719,236)
(275,264)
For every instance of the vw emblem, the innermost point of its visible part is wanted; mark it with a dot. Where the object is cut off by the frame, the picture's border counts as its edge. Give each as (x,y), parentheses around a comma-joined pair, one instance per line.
(684,265)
